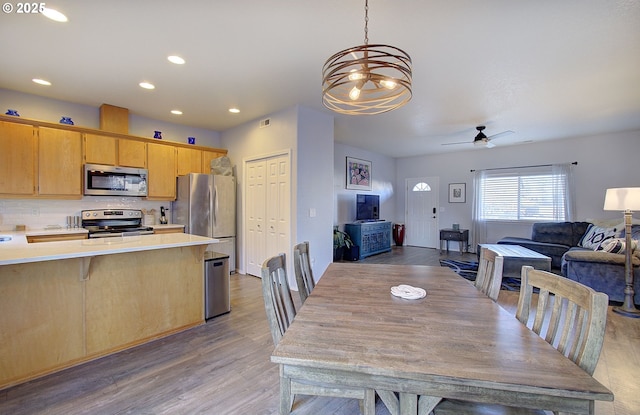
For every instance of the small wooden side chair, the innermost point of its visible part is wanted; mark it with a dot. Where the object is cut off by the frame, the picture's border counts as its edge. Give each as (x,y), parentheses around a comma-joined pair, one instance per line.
(489,277)
(302,267)
(568,315)
(281,312)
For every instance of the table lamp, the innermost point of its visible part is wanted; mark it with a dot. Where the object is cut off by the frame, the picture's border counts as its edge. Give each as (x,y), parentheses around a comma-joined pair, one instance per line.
(625,199)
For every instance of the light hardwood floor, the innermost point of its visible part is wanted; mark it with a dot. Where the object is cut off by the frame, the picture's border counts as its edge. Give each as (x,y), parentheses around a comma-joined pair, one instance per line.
(223,367)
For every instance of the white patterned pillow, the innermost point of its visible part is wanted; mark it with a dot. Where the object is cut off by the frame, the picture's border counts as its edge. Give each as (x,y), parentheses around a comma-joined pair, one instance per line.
(617,246)
(596,235)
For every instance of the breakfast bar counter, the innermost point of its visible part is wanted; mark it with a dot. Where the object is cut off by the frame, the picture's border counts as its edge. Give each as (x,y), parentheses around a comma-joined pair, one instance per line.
(64,303)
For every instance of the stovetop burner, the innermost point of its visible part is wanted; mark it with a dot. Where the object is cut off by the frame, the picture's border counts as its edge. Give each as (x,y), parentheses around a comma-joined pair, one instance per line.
(103,223)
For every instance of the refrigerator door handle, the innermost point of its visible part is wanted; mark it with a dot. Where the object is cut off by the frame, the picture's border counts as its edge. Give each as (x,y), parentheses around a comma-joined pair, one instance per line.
(215,207)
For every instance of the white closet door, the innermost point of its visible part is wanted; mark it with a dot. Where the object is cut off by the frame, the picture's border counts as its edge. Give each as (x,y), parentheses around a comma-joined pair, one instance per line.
(268,210)
(255,214)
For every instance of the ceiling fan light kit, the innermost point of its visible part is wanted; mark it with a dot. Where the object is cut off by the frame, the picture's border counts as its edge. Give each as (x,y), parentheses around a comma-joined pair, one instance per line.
(366,79)
(481,140)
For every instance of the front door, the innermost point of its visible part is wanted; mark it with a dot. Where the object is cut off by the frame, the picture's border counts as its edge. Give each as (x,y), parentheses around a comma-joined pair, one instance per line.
(421,224)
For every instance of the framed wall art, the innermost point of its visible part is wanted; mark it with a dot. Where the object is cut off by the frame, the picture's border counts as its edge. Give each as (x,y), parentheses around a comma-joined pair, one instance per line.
(358,174)
(457,192)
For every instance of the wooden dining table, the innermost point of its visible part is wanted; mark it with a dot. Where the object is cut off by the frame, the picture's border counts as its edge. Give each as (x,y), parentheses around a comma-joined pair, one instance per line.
(453,343)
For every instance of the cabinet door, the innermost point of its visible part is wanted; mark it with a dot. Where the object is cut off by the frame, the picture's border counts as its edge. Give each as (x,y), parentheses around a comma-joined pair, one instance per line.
(100,149)
(132,153)
(207,156)
(17,159)
(59,163)
(161,162)
(189,160)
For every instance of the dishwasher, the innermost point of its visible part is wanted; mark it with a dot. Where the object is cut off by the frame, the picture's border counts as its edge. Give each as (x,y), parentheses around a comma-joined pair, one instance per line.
(216,284)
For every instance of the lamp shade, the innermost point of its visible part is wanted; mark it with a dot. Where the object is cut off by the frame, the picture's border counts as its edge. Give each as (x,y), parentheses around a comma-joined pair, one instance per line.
(622,198)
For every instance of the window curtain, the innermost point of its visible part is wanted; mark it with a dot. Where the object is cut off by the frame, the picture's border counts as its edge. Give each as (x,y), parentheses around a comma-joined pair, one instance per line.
(479,225)
(563,179)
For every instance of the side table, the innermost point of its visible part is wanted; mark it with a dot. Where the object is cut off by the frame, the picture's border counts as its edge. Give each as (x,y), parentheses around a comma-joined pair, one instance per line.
(460,235)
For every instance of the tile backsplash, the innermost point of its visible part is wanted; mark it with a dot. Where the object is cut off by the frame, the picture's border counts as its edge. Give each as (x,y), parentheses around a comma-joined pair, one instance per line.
(39,213)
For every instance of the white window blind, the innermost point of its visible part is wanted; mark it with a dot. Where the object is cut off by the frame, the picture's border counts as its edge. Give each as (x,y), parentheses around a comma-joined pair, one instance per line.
(540,193)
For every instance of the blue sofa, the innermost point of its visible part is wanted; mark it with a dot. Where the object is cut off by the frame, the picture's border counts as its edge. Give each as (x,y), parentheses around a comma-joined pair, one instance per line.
(552,239)
(602,271)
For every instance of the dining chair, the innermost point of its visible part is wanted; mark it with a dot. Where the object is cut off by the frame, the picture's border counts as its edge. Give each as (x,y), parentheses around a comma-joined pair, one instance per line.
(568,315)
(281,312)
(302,268)
(489,277)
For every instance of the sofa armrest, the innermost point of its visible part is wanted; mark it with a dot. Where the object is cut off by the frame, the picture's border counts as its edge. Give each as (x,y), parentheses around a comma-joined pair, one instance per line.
(587,255)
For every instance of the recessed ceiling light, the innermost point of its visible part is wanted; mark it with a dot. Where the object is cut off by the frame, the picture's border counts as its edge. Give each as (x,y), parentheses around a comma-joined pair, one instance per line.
(176,112)
(54,15)
(176,59)
(234,110)
(147,85)
(41,81)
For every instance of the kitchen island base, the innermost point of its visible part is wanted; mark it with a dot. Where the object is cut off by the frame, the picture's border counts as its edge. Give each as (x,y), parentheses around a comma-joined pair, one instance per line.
(59,313)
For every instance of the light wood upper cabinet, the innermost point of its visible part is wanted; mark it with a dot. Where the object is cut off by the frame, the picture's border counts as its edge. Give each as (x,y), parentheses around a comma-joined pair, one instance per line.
(207,156)
(59,163)
(189,160)
(161,163)
(100,149)
(17,159)
(132,153)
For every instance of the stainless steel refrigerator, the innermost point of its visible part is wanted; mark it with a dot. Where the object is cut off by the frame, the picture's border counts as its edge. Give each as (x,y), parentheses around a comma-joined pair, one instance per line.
(206,205)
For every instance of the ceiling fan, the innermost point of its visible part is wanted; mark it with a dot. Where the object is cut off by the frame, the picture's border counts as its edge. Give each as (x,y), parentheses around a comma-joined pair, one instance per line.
(481,140)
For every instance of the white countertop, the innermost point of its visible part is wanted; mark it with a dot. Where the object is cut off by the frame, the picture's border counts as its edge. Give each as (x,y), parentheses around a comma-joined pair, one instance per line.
(19,251)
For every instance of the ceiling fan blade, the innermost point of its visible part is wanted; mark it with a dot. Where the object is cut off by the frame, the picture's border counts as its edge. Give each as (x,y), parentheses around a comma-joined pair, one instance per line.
(489,144)
(502,134)
(455,144)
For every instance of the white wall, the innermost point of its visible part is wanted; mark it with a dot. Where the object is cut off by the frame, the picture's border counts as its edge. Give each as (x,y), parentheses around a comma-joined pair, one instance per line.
(308,135)
(51,110)
(314,201)
(604,161)
(383,176)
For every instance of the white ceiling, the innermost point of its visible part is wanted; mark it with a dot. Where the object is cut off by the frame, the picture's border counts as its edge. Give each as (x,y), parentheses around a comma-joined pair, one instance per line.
(544,69)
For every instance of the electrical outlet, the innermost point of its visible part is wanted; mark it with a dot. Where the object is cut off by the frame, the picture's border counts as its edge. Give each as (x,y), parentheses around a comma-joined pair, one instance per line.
(35,212)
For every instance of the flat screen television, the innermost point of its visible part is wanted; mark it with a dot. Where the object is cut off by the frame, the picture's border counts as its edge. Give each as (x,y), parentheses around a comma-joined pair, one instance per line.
(367,207)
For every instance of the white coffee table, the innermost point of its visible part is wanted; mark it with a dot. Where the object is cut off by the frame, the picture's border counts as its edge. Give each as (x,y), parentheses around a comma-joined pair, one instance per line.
(515,256)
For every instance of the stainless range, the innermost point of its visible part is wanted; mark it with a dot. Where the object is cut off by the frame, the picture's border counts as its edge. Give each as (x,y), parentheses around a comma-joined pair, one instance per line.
(105,223)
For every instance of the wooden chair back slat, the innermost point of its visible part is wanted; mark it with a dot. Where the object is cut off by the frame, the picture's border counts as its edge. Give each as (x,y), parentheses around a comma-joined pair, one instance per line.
(569,316)
(489,277)
(302,267)
(278,302)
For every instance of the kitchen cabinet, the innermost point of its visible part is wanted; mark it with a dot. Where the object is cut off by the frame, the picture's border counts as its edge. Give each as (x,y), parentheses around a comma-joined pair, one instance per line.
(207,156)
(161,163)
(189,160)
(100,149)
(59,163)
(18,168)
(132,153)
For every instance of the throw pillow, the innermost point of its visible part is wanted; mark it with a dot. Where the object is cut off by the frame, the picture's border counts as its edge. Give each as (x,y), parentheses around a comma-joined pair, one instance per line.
(617,246)
(635,232)
(595,235)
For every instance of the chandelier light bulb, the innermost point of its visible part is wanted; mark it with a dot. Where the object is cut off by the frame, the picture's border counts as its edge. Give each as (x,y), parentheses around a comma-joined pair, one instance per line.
(389,84)
(354,94)
(355,75)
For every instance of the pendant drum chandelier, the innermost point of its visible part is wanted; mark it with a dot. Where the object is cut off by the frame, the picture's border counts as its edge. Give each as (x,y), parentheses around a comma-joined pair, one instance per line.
(366,79)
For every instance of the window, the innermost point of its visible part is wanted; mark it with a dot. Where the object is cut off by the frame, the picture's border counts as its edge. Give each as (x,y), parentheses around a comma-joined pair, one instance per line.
(540,193)
(421,187)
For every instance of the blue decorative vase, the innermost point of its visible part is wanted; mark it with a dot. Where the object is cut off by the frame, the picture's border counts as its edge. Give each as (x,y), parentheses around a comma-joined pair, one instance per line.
(12,112)
(157,134)
(66,120)
(192,140)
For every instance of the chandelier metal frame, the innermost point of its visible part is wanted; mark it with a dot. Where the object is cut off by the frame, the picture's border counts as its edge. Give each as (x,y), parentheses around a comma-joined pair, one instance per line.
(367,79)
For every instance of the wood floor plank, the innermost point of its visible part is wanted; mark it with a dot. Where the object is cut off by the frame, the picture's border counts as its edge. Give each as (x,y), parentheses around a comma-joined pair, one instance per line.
(223,366)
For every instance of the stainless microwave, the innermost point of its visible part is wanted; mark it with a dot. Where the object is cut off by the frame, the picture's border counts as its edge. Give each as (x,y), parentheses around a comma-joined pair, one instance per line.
(102,180)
